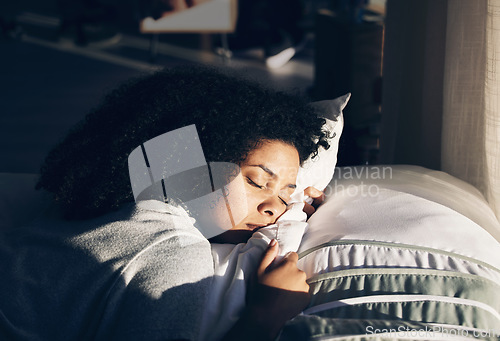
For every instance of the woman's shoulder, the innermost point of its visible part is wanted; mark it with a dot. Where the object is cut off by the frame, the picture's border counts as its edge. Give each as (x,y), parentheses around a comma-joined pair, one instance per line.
(135,230)
(142,257)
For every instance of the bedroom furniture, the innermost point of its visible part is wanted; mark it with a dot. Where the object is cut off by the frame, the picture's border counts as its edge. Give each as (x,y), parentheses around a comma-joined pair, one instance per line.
(213,16)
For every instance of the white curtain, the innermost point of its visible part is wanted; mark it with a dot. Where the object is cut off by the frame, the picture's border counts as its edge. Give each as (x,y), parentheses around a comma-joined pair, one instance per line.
(470,142)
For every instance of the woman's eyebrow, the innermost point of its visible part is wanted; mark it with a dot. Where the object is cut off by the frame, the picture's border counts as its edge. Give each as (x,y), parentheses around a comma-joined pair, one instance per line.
(271,173)
(265,169)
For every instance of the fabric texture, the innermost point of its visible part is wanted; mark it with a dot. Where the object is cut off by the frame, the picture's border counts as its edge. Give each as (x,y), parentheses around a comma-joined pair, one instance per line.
(471,116)
(429,184)
(142,273)
(447,117)
(367,210)
(395,251)
(235,265)
(400,294)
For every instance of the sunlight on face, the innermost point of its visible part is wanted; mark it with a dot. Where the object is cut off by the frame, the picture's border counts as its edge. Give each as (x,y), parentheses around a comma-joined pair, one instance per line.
(268,177)
(269,173)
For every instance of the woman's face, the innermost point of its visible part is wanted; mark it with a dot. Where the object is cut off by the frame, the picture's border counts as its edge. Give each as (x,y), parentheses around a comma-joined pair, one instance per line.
(268,175)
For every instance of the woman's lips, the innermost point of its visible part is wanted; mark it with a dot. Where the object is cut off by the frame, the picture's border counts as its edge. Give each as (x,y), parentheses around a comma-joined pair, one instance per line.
(254,227)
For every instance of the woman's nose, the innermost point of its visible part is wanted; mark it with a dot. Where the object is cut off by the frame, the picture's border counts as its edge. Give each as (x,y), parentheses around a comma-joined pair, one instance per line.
(271,207)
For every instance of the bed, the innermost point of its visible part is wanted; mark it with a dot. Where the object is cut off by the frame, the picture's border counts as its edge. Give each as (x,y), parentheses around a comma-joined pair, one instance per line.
(400,252)
(396,252)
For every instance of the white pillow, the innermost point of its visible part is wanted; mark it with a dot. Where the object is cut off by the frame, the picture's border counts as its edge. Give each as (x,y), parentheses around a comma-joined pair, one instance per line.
(400,248)
(318,171)
(429,184)
(368,214)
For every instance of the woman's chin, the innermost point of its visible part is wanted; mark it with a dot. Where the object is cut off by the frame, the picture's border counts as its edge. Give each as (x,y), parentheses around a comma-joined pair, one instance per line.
(252,227)
(238,234)
(233,236)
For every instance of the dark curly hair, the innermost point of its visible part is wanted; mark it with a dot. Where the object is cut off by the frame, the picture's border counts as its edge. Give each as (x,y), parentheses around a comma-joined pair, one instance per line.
(88,171)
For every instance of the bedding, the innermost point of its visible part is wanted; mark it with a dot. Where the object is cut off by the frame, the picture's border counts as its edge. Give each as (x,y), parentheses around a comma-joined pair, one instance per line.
(398,252)
(233,264)
(386,257)
(401,257)
(233,267)
(404,256)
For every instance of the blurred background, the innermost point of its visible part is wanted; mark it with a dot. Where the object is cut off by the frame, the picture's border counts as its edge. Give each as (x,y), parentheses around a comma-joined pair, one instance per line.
(59,57)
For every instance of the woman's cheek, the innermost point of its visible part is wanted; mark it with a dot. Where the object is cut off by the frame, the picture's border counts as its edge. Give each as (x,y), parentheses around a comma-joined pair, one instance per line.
(237,199)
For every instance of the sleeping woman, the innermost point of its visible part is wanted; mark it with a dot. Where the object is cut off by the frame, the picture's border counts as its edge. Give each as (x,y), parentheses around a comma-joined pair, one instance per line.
(99,266)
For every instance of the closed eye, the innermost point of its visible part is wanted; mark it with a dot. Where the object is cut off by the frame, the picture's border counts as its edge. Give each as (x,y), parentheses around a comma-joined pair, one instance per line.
(253,183)
(284,202)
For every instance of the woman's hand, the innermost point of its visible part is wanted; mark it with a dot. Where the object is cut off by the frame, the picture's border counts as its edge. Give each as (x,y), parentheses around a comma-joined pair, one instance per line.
(318,198)
(284,275)
(277,293)
(280,291)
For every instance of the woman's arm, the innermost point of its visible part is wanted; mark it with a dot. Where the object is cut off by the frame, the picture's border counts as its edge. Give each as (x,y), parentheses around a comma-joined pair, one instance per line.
(278,293)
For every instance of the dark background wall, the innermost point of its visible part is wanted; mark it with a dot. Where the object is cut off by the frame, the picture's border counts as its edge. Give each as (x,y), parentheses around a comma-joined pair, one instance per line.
(412,102)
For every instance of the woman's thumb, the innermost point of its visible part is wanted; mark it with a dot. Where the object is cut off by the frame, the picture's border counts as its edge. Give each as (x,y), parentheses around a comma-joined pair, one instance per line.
(268,256)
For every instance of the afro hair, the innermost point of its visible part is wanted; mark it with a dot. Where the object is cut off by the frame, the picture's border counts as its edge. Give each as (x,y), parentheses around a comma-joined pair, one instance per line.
(88,171)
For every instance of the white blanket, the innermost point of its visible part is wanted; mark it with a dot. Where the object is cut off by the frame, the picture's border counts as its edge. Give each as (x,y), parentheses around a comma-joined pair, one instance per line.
(234,265)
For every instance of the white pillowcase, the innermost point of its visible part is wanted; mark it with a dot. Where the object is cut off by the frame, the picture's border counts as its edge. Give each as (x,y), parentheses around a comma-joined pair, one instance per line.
(412,206)
(318,171)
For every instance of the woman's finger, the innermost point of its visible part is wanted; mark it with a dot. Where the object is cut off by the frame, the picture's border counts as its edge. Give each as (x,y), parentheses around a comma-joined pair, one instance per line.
(308,209)
(317,196)
(291,257)
(268,257)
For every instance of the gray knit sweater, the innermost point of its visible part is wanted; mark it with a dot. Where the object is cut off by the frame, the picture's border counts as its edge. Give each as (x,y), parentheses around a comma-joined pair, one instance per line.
(142,273)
